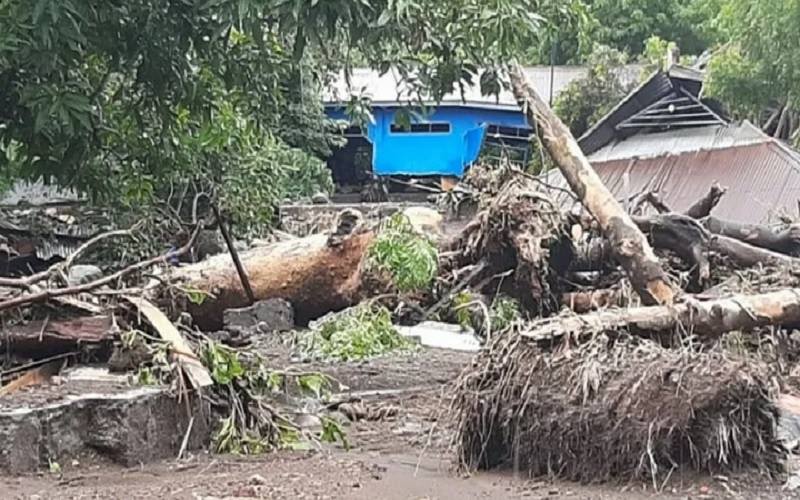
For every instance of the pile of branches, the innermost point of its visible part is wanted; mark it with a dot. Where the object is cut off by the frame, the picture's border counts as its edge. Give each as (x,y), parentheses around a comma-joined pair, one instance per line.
(637,376)
(616,407)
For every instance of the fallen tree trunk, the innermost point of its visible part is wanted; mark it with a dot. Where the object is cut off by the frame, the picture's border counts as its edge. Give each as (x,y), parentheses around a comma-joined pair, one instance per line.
(714,317)
(746,255)
(786,241)
(314,274)
(629,246)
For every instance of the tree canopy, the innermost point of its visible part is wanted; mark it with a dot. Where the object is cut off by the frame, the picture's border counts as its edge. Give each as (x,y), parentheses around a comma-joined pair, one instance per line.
(756,70)
(90,89)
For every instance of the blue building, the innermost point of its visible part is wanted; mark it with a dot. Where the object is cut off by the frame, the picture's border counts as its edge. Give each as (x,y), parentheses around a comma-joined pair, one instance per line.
(445,140)
(441,143)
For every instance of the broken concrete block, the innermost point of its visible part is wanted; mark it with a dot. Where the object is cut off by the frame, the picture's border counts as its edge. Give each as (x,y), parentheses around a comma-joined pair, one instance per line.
(97,412)
(267,315)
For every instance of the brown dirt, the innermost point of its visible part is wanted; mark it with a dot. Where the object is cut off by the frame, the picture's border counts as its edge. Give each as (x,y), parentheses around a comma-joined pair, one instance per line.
(394,459)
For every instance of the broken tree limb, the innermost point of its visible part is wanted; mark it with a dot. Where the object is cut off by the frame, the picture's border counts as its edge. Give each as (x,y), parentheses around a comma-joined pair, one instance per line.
(195,371)
(703,207)
(786,241)
(591,300)
(248,289)
(35,376)
(741,312)
(682,235)
(40,296)
(629,246)
(746,255)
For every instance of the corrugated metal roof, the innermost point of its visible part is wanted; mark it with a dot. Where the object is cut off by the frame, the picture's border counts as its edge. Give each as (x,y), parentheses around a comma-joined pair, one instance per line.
(603,132)
(682,140)
(658,86)
(763,179)
(389,89)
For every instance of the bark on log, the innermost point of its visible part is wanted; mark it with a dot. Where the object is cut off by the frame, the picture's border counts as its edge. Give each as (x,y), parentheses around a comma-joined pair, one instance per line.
(629,245)
(746,255)
(714,317)
(313,273)
(39,339)
(703,207)
(786,241)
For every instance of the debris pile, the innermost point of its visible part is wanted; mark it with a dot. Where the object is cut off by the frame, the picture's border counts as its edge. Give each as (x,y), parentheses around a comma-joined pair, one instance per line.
(607,334)
(616,407)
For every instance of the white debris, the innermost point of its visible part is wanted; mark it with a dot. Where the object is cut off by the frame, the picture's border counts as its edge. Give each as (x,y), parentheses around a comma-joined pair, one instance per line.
(442,336)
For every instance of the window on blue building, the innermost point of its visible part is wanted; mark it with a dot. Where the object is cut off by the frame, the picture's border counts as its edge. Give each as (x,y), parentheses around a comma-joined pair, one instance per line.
(422,128)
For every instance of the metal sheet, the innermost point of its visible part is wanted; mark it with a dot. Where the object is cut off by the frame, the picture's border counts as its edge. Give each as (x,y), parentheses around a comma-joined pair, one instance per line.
(389,90)
(763,179)
(681,141)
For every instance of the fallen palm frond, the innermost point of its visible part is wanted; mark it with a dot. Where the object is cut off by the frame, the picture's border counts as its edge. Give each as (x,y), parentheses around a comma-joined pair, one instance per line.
(614,408)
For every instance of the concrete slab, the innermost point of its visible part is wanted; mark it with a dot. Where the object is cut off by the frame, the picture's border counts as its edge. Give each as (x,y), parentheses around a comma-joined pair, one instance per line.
(92,411)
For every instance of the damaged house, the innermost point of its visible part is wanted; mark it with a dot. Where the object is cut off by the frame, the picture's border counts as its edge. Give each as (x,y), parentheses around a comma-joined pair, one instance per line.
(666,137)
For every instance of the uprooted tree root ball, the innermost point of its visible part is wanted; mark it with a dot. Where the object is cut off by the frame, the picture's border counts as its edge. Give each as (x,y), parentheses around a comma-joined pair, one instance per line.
(520,238)
(619,408)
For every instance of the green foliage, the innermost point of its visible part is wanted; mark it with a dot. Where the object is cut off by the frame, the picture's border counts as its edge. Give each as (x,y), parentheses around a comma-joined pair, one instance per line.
(54,467)
(585,101)
(627,25)
(253,427)
(410,259)
(504,312)
(223,363)
(461,306)
(314,384)
(358,333)
(114,96)
(623,25)
(738,81)
(332,433)
(470,312)
(758,64)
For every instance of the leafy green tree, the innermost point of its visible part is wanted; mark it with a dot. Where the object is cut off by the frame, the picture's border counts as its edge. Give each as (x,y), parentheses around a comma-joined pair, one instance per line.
(625,25)
(153,97)
(755,71)
(585,101)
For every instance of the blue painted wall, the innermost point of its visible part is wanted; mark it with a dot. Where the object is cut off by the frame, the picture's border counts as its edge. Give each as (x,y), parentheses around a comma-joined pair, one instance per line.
(419,154)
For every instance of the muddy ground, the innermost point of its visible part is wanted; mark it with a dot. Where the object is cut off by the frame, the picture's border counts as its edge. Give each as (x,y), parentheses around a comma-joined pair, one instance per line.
(403,457)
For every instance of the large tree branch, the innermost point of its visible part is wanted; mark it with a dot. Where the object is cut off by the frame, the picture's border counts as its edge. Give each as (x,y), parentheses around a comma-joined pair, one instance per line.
(630,248)
(786,241)
(741,312)
(703,207)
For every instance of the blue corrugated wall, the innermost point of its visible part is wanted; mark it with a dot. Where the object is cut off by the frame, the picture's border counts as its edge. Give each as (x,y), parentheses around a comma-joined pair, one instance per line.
(419,154)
